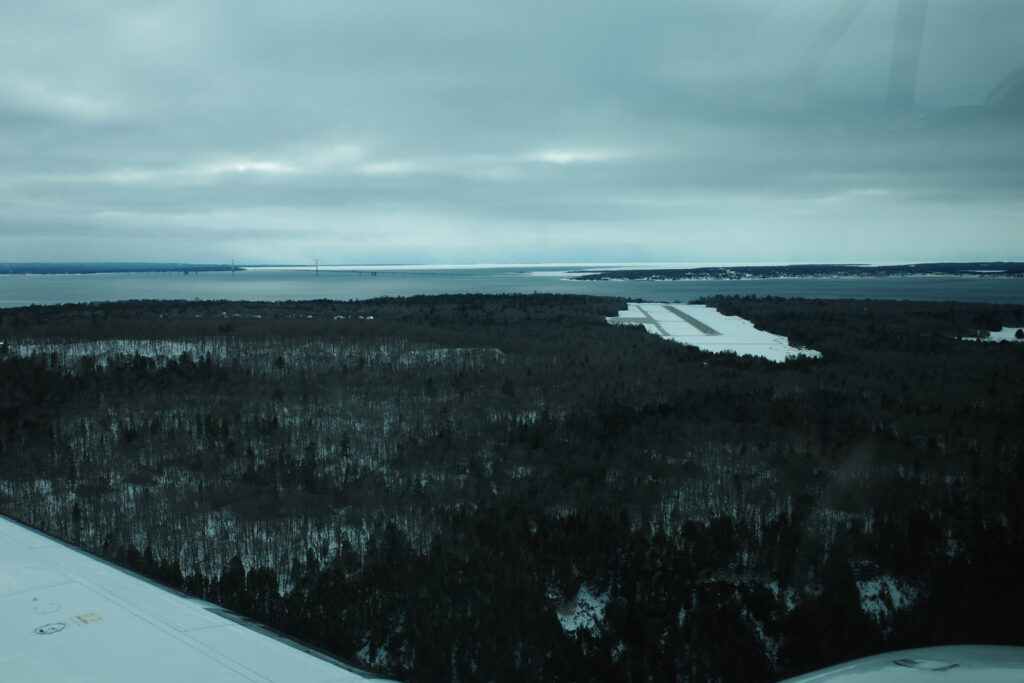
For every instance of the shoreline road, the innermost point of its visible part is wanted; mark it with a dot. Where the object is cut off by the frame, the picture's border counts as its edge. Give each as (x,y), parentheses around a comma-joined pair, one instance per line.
(709,331)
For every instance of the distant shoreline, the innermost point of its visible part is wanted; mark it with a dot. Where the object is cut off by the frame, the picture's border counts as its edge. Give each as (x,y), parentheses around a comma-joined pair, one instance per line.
(572,271)
(111,268)
(969,269)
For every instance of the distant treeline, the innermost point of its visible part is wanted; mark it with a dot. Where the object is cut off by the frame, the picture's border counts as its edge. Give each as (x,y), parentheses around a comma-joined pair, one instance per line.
(73,268)
(993,268)
(428,485)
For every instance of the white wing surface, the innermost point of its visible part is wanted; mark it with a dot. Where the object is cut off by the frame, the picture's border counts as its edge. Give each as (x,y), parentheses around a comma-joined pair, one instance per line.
(66,615)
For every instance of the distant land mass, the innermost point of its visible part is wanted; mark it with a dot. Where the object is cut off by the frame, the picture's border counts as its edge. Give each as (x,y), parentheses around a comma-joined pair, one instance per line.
(88,268)
(978,268)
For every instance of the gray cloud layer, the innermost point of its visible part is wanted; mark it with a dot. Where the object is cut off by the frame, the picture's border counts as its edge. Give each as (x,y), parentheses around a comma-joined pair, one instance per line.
(457,131)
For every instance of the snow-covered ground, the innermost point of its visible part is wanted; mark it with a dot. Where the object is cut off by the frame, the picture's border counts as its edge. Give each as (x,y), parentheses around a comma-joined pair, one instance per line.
(1005,334)
(709,330)
(881,596)
(585,611)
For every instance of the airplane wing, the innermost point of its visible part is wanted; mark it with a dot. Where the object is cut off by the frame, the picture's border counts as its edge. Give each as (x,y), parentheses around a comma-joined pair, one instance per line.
(66,615)
(947,663)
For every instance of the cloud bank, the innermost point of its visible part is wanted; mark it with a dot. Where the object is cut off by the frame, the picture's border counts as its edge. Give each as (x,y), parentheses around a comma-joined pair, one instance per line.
(370,131)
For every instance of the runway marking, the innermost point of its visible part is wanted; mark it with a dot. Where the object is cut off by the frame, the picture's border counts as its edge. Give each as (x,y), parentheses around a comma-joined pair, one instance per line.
(706,329)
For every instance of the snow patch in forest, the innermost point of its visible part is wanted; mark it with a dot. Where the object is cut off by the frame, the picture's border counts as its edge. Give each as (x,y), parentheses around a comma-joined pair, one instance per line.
(788,595)
(1008,334)
(882,595)
(102,351)
(770,644)
(709,330)
(474,357)
(268,354)
(585,611)
(374,658)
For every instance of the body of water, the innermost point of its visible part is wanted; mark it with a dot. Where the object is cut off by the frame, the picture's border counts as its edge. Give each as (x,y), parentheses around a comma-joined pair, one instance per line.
(285,284)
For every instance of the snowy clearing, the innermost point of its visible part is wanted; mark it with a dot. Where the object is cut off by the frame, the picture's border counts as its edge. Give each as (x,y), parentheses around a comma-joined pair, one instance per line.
(709,330)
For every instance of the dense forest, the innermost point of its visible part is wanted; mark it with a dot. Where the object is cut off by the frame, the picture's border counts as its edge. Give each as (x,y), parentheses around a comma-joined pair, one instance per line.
(476,488)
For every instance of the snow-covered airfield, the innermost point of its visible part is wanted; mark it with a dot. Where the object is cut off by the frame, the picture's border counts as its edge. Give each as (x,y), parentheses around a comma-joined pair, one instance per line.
(709,330)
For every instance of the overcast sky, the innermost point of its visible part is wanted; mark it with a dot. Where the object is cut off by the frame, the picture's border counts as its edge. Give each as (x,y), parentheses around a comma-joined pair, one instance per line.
(445,132)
